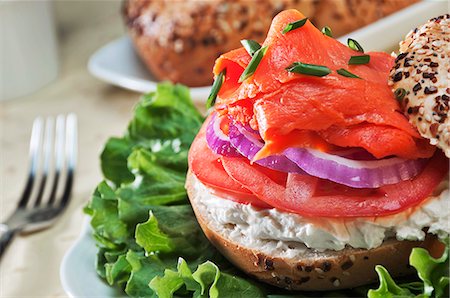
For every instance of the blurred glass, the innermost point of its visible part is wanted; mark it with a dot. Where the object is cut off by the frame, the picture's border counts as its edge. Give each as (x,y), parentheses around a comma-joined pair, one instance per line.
(28,48)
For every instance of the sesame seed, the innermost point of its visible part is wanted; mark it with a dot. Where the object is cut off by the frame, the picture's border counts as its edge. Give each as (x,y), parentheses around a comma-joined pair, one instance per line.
(430,90)
(304,279)
(337,283)
(401,56)
(318,270)
(346,265)
(397,77)
(417,87)
(434,64)
(268,265)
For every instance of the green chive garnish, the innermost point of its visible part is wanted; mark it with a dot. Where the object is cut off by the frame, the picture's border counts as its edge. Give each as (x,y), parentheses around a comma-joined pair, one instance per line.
(362,59)
(346,73)
(294,25)
(399,93)
(354,45)
(250,46)
(215,89)
(309,69)
(251,67)
(327,31)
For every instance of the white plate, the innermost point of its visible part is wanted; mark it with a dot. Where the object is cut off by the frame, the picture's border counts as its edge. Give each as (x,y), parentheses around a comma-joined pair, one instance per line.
(117,62)
(77,271)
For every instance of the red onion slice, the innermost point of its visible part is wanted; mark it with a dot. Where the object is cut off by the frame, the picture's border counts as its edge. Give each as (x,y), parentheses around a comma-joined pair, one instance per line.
(355,173)
(247,143)
(217,141)
(352,167)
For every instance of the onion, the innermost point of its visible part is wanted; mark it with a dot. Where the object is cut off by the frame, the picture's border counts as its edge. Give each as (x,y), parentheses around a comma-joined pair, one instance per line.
(248,143)
(217,141)
(355,168)
(355,173)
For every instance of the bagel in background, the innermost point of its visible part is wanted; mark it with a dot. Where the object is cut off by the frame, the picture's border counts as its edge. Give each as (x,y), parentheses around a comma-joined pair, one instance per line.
(180,40)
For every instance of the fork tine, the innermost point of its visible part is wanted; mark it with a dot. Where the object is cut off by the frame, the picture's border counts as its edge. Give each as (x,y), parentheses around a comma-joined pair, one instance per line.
(71,156)
(35,145)
(48,140)
(59,156)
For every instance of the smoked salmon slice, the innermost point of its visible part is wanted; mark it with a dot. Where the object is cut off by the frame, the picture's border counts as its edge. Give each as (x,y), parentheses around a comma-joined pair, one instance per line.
(333,109)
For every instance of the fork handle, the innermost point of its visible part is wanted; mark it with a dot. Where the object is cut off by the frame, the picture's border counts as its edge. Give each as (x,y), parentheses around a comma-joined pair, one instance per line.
(6,238)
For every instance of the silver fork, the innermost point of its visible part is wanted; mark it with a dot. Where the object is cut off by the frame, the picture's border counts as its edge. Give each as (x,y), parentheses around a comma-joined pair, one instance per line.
(53,154)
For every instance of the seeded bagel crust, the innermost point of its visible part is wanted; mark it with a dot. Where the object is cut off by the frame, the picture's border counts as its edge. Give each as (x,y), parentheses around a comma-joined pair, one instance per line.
(344,16)
(314,270)
(422,68)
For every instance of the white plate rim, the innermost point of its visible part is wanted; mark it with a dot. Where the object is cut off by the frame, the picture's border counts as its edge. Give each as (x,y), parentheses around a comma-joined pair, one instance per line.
(199,94)
(84,238)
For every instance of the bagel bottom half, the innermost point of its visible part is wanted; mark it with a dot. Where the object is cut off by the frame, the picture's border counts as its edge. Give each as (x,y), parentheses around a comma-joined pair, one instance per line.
(312,270)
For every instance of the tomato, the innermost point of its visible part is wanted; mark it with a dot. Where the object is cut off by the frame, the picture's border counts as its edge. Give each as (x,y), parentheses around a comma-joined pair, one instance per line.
(311,196)
(238,180)
(207,167)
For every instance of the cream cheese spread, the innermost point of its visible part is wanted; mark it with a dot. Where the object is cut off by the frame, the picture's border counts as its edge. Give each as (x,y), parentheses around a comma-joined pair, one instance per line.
(272,229)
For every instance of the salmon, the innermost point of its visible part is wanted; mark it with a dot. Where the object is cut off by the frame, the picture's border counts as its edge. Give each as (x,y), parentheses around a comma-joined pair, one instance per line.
(291,109)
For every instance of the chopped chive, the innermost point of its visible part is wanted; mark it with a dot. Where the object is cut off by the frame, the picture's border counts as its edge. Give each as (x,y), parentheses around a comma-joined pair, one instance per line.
(399,93)
(294,25)
(346,73)
(253,65)
(354,45)
(309,69)
(250,46)
(362,59)
(327,31)
(215,89)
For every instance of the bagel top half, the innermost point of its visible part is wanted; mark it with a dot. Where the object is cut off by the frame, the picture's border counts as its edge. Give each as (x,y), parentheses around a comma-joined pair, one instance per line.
(421,80)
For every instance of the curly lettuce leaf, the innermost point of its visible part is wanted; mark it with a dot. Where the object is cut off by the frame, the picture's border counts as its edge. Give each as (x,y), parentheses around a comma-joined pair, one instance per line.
(165,114)
(176,231)
(206,281)
(151,238)
(110,231)
(433,274)
(114,161)
(388,288)
(143,269)
(118,272)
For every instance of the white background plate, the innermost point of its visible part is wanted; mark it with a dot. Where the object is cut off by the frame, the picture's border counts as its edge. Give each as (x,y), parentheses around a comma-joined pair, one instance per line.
(118,64)
(77,272)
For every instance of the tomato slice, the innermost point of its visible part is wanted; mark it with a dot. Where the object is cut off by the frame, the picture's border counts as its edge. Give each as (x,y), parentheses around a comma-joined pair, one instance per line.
(207,167)
(311,196)
(238,180)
